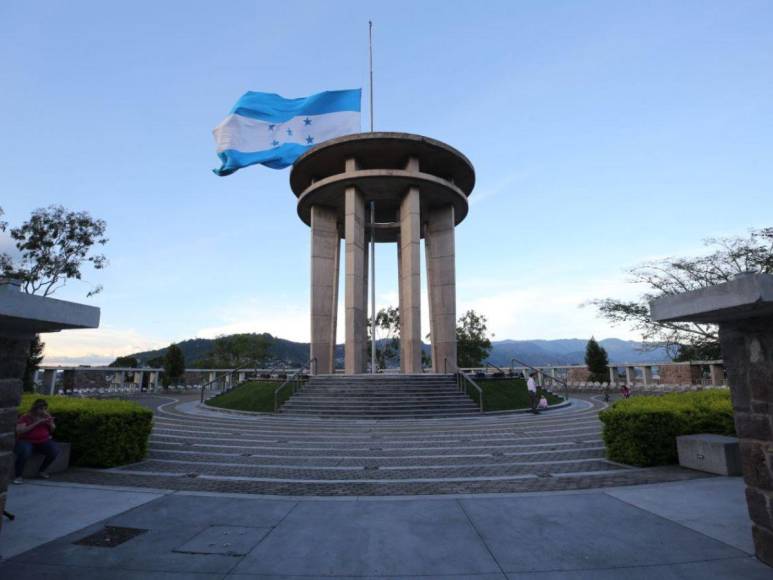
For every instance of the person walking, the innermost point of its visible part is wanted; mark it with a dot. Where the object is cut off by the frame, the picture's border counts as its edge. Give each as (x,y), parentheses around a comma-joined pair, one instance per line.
(33,434)
(531,386)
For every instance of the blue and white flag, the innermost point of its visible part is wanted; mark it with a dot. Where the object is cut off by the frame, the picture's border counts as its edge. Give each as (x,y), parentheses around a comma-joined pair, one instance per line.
(268,129)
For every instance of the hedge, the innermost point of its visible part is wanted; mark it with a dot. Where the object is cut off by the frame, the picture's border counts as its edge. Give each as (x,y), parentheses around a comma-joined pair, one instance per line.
(643,430)
(102,433)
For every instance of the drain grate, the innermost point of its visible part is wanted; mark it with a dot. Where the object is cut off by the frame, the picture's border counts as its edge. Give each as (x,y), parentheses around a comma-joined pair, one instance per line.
(110,537)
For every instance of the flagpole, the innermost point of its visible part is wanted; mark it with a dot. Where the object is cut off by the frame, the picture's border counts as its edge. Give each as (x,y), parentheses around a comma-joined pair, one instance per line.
(372,222)
(370,55)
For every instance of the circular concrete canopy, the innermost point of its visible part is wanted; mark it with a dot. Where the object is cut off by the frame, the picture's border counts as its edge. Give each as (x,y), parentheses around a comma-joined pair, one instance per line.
(445,176)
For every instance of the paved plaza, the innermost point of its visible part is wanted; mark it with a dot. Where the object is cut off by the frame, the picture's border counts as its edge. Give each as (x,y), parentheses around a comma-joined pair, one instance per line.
(681,530)
(223,494)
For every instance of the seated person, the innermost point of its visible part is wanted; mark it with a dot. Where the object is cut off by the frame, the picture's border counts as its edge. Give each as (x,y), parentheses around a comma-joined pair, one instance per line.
(33,434)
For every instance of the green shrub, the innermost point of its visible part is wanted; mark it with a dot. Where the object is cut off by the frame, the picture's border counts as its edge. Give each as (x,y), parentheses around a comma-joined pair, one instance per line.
(102,433)
(643,430)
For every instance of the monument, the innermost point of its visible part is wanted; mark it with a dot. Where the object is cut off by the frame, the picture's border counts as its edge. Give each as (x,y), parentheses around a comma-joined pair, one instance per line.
(385,188)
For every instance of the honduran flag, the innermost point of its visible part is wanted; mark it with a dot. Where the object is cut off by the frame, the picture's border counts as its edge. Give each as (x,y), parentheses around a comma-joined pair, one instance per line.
(268,129)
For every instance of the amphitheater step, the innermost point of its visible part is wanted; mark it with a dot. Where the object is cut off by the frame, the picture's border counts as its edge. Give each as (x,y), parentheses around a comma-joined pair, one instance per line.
(380,397)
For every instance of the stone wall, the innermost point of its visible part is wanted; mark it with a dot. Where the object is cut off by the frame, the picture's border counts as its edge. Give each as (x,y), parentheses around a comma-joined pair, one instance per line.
(578,375)
(13,356)
(679,374)
(747,349)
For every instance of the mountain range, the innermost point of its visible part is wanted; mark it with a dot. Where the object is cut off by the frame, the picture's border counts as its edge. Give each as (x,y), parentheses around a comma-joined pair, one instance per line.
(564,351)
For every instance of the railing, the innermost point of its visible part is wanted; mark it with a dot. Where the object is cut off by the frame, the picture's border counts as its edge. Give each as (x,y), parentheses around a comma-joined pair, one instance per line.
(217,379)
(463,383)
(295,381)
(536,370)
(493,366)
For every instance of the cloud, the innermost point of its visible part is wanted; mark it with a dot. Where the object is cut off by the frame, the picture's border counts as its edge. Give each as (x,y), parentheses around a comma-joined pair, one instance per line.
(95,346)
(285,319)
(550,310)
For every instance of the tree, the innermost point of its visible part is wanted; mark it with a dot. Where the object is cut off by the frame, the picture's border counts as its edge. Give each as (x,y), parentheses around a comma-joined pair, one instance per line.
(597,361)
(472,344)
(128,362)
(174,366)
(685,340)
(237,350)
(33,363)
(387,347)
(53,245)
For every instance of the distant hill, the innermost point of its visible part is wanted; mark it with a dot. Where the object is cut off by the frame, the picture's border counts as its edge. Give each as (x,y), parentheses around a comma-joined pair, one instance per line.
(565,351)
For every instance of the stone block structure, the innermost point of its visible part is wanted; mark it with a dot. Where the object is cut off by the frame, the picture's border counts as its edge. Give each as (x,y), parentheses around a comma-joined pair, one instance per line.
(743,308)
(21,317)
(388,188)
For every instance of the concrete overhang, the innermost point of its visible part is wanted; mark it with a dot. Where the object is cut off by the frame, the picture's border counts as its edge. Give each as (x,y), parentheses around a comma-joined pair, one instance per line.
(746,296)
(382,150)
(22,313)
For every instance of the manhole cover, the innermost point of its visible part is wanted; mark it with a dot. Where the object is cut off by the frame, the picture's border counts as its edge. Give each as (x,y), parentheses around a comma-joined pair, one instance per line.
(375,448)
(370,467)
(110,537)
(191,475)
(225,540)
(544,475)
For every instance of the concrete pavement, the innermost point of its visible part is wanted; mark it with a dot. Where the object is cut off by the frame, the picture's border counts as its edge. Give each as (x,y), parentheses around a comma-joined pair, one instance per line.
(692,529)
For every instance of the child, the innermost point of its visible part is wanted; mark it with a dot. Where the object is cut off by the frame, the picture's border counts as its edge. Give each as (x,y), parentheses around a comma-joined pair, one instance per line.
(543,403)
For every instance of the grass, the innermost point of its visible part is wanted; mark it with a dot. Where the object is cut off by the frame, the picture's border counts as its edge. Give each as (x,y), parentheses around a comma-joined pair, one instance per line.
(498,395)
(508,394)
(251,396)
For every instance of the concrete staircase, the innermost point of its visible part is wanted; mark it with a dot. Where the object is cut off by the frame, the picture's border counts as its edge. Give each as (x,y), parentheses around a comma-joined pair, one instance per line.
(380,397)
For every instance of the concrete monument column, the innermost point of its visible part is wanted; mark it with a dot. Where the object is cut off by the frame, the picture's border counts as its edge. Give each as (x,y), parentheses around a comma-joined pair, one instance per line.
(325,257)
(647,375)
(355,303)
(441,284)
(49,381)
(410,280)
(417,186)
(743,308)
(630,376)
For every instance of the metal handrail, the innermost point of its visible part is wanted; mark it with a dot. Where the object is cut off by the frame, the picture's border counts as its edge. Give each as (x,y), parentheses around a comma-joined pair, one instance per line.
(554,378)
(216,379)
(493,366)
(461,383)
(295,379)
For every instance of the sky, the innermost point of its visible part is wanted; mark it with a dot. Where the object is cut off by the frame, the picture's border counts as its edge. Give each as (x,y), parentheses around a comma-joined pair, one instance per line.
(603,134)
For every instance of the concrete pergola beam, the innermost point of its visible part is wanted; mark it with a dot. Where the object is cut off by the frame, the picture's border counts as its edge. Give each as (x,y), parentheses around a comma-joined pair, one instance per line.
(743,309)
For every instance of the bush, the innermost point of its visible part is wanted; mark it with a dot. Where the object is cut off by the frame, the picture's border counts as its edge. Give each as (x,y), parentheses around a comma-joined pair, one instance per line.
(643,430)
(102,433)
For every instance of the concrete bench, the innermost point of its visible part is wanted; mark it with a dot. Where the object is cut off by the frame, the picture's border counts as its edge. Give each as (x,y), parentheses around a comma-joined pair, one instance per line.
(61,463)
(711,453)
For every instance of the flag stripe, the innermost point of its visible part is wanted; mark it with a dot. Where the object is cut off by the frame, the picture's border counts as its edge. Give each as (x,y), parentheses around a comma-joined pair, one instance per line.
(247,135)
(276,109)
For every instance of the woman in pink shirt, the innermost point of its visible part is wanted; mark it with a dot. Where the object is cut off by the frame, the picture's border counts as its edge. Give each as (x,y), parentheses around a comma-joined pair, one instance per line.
(33,434)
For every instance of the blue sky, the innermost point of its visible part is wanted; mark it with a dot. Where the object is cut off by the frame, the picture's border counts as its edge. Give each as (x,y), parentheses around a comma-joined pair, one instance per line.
(603,134)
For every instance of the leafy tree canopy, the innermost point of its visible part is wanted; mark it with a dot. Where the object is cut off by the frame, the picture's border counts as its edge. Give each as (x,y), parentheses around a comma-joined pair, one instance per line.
(125,362)
(472,343)
(33,363)
(174,366)
(597,361)
(237,350)
(685,340)
(53,245)
(388,343)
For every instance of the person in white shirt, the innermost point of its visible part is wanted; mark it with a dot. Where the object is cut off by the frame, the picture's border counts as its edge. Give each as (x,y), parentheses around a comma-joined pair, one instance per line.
(531,386)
